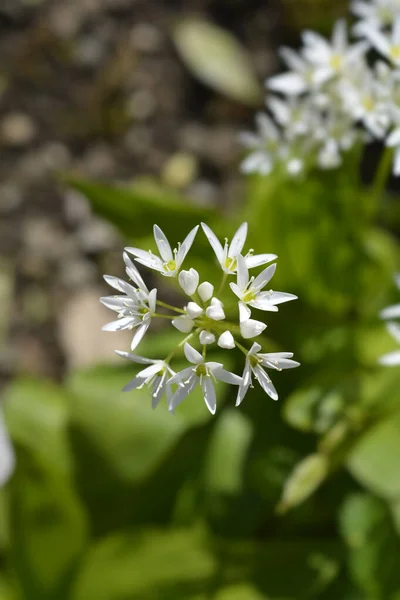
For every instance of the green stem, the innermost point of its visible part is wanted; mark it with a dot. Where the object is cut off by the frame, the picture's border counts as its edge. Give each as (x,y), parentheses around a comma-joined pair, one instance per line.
(242,348)
(163,316)
(382,174)
(222,284)
(165,305)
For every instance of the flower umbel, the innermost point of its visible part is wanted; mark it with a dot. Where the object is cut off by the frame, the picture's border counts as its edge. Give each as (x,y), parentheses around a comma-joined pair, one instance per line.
(203,319)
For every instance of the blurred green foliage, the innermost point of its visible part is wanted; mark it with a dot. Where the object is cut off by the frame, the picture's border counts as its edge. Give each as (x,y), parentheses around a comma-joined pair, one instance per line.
(114,501)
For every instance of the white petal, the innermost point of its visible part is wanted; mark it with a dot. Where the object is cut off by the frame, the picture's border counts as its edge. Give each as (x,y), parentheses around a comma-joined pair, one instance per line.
(244,312)
(251,328)
(206,337)
(259,259)
(205,291)
(189,280)
(116,283)
(265,382)
(182,392)
(138,336)
(242,272)
(257,161)
(391,312)
(133,273)
(209,394)
(116,303)
(235,289)
(182,376)
(7,457)
(163,245)
(254,349)
(266,299)
(227,377)
(226,340)
(396,31)
(288,83)
(393,138)
(146,258)
(238,241)
(293,60)
(264,277)
(135,357)
(185,246)
(278,360)
(192,355)
(377,39)
(390,360)
(193,310)
(215,311)
(214,242)
(396,162)
(339,36)
(159,388)
(183,324)
(133,384)
(120,324)
(244,386)
(152,300)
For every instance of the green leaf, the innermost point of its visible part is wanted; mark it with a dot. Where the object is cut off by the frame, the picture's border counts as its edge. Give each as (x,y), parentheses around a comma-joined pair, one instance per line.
(36,413)
(146,565)
(374,547)
(304,481)
(136,208)
(216,58)
(48,531)
(375,459)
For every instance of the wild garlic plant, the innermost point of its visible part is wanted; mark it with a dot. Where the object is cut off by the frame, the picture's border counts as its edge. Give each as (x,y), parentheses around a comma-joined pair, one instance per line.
(202,319)
(335,94)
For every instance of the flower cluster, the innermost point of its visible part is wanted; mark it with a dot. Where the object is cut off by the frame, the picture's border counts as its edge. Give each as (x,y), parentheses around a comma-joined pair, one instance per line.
(331,98)
(202,319)
(388,314)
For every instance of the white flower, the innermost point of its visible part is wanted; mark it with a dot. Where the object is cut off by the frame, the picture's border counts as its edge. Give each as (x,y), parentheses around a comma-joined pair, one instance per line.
(216,310)
(264,146)
(227,255)
(189,280)
(226,340)
(157,375)
(330,59)
(205,291)
(250,328)
(295,116)
(206,337)
(387,45)
(249,290)
(203,374)
(378,13)
(254,366)
(170,261)
(135,308)
(300,79)
(7,457)
(183,323)
(392,358)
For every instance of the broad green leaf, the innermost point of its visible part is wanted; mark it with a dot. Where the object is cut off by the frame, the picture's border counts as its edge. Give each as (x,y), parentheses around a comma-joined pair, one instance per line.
(36,413)
(48,532)
(375,459)
(147,565)
(216,58)
(373,545)
(134,209)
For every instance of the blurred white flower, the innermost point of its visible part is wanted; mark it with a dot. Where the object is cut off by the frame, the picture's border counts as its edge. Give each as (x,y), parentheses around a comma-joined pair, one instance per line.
(7,457)
(156,375)
(254,366)
(203,374)
(378,13)
(171,260)
(387,44)
(392,358)
(264,146)
(300,79)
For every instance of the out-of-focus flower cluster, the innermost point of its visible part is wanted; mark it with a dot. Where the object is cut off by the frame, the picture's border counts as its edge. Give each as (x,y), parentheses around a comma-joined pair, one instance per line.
(389,314)
(335,94)
(202,319)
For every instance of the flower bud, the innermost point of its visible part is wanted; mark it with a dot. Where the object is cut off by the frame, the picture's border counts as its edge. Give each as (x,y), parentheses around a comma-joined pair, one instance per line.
(205,290)
(216,310)
(193,310)
(251,328)
(206,337)
(226,340)
(189,280)
(183,324)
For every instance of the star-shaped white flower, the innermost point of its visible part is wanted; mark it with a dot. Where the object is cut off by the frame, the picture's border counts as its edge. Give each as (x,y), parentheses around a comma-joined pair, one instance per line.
(254,366)
(387,45)
(249,291)
(156,375)
(7,457)
(135,307)
(379,13)
(170,261)
(228,254)
(264,145)
(300,78)
(203,374)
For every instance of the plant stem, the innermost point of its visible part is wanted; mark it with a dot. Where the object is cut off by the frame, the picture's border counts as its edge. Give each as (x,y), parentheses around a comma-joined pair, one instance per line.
(222,284)
(163,316)
(165,305)
(242,348)
(382,174)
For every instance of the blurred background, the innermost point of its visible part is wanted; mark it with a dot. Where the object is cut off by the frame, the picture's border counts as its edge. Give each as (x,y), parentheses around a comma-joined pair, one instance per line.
(110,500)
